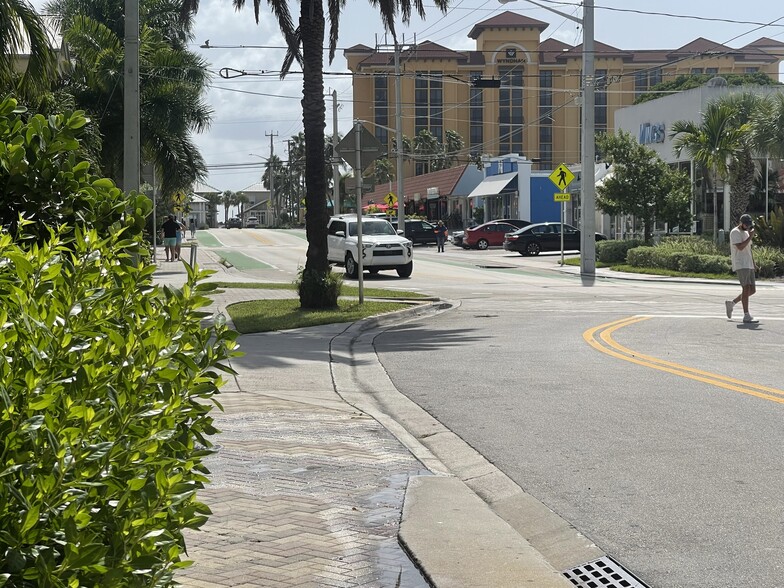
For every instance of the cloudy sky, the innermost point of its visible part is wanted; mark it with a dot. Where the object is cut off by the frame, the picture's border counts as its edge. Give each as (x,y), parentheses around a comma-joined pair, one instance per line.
(250,108)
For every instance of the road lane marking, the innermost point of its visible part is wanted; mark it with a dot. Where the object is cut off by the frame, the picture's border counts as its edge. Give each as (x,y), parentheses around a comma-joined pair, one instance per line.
(606,344)
(262,239)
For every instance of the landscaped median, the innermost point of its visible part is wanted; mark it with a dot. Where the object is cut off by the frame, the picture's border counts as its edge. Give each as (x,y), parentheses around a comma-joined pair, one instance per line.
(691,257)
(279,314)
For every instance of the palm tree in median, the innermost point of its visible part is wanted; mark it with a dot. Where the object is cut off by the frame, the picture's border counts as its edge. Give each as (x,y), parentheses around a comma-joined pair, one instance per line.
(713,143)
(305,44)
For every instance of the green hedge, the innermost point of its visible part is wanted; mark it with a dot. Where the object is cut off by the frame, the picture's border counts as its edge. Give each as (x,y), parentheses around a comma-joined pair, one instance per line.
(614,251)
(106,388)
(684,261)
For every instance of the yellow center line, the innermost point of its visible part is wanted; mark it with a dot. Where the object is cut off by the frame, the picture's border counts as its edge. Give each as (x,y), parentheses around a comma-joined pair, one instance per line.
(264,240)
(611,347)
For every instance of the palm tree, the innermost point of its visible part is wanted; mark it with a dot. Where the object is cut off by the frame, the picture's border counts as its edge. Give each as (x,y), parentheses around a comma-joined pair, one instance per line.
(712,143)
(305,44)
(229,199)
(768,123)
(23,32)
(213,199)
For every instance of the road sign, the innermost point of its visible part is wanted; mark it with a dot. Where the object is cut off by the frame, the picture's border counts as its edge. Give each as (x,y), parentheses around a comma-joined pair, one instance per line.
(179,197)
(390,200)
(561,176)
(370,148)
(562,197)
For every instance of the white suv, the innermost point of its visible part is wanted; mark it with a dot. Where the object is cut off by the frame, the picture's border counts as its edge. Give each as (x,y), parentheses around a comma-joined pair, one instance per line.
(382,247)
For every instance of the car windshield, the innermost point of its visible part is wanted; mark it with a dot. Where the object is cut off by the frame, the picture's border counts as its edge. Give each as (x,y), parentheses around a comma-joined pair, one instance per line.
(372,227)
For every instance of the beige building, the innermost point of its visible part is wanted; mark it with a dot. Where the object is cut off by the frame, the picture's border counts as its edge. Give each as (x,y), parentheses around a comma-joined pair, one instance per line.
(536,110)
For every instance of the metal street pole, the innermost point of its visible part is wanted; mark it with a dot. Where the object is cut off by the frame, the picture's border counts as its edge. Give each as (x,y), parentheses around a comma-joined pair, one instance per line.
(359,182)
(131,145)
(335,156)
(401,213)
(587,188)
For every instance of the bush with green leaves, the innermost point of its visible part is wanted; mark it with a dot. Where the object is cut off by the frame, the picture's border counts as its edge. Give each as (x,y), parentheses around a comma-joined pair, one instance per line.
(44,178)
(698,263)
(770,232)
(106,387)
(319,290)
(770,261)
(614,251)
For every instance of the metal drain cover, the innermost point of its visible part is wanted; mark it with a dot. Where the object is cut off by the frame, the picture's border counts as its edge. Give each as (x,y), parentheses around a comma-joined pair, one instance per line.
(604,572)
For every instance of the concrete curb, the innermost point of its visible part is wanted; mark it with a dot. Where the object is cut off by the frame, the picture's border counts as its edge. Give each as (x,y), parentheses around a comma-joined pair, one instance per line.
(360,379)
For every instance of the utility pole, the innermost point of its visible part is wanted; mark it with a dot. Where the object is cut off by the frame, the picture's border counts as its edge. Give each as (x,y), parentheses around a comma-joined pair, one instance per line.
(401,213)
(335,156)
(131,145)
(273,196)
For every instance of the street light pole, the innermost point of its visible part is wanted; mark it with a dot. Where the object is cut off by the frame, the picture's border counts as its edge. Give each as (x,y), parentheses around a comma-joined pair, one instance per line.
(587,187)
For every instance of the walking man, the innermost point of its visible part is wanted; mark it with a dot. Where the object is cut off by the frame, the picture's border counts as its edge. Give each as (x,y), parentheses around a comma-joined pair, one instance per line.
(440,232)
(169,230)
(743,266)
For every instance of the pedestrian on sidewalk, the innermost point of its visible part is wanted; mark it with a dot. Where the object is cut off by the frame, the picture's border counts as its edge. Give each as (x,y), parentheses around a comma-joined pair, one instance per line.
(180,234)
(193,228)
(440,232)
(169,230)
(743,266)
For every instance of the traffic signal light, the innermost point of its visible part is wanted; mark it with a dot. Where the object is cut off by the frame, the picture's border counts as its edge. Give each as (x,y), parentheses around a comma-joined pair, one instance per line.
(485,83)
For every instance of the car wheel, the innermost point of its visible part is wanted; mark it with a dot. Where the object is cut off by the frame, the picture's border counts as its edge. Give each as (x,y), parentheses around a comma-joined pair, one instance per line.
(404,271)
(352,269)
(533,248)
(482,244)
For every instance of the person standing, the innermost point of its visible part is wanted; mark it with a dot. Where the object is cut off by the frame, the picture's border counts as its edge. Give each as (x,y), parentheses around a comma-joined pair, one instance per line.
(743,266)
(169,230)
(180,234)
(440,232)
(193,228)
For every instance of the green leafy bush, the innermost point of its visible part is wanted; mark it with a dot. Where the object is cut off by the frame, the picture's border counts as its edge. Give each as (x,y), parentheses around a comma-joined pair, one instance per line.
(43,178)
(106,388)
(318,290)
(697,263)
(770,261)
(614,251)
(641,256)
(770,233)
(694,244)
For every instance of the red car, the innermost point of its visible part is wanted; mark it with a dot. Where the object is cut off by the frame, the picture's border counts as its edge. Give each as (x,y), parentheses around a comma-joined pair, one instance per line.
(490,234)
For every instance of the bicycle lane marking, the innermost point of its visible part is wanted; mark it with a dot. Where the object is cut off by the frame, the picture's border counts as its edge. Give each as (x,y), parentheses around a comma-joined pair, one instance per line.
(606,344)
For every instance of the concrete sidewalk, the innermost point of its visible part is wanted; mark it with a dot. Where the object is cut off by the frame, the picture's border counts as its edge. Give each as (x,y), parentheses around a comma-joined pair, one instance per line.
(313,475)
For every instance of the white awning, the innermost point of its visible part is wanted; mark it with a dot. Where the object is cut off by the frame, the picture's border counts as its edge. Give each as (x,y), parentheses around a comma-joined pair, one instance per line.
(493,185)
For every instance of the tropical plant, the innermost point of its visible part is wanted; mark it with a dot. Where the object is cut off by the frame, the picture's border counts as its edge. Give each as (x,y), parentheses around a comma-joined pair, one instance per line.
(642,184)
(229,199)
(712,143)
(768,124)
(23,32)
(690,81)
(453,146)
(172,85)
(106,412)
(305,45)
(770,232)
(45,184)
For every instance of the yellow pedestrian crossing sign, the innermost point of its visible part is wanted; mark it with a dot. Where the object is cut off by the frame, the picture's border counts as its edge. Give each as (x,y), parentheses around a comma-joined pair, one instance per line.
(561,176)
(390,199)
(179,197)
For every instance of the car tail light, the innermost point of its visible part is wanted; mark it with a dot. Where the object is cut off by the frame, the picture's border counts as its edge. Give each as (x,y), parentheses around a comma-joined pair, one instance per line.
(511,237)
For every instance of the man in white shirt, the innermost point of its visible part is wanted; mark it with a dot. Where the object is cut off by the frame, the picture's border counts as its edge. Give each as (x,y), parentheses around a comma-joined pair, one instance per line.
(743,266)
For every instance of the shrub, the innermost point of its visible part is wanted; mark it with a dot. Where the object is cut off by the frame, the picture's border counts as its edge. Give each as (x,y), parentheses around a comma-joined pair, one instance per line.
(770,233)
(613,251)
(641,256)
(770,261)
(106,388)
(318,290)
(686,244)
(697,263)
(44,180)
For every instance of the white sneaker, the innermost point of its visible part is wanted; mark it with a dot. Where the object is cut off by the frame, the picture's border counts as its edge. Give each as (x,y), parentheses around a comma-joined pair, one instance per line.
(729,305)
(749,319)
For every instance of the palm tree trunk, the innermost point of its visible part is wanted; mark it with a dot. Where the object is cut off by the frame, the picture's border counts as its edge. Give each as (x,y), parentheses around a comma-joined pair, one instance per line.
(313,116)
(715,204)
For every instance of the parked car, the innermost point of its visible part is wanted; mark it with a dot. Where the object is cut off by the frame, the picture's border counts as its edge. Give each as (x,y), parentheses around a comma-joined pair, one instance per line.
(490,234)
(382,247)
(234,223)
(251,222)
(418,231)
(533,239)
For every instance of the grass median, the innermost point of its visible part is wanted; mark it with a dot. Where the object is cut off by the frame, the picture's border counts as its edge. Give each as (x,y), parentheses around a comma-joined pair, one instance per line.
(279,314)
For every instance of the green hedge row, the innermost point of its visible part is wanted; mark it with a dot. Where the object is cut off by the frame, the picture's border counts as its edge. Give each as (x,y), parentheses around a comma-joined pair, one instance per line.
(614,251)
(106,388)
(666,258)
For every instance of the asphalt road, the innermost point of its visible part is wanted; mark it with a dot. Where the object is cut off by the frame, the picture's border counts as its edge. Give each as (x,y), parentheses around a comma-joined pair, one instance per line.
(659,437)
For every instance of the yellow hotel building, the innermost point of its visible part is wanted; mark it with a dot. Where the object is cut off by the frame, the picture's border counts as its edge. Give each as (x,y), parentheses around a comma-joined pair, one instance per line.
(536,111)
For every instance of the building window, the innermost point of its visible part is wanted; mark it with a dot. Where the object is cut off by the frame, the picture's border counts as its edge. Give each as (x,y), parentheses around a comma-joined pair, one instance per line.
(645,80)
(476,117)
(695,71)
(712,70)
(510,110)
(429,103)
(751,70)
(545,119)
(381,107)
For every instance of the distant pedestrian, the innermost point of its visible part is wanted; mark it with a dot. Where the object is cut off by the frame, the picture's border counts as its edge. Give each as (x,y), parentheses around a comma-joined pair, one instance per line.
(440,232)
(193,228)
(169,230)
(180,234)
(743,265)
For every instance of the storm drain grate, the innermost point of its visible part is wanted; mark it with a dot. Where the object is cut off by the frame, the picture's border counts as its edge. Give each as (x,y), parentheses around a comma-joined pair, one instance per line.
(604,572)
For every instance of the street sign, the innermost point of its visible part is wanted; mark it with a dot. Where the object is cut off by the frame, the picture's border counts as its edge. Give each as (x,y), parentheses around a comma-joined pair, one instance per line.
(561,176)
(562,197)
(370,148)
(179,197)
(390,200)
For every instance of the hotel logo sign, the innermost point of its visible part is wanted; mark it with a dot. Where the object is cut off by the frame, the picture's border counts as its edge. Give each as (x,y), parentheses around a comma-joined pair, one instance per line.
(510,55)
(651,133)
